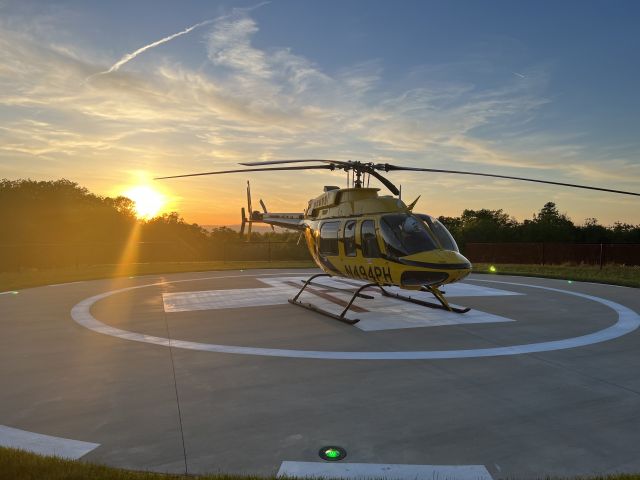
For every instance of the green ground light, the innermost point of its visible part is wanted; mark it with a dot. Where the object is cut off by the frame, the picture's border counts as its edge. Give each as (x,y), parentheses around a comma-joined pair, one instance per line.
(492,269)
(332,453)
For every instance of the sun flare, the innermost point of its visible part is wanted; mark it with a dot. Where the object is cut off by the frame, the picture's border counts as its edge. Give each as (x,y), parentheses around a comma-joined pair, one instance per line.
(148,202)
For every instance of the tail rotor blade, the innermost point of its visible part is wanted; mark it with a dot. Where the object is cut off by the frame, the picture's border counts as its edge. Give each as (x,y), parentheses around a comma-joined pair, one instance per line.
(249,206)
(243,221)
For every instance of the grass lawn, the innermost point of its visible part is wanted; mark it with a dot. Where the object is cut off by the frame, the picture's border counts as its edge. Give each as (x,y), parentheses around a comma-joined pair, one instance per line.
(20,465)
(613,274)
(35,277)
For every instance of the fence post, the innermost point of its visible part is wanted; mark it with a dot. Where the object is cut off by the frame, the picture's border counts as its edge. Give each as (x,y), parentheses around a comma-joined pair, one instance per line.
(269,250)
(601,255)
(224,252)
(542,246)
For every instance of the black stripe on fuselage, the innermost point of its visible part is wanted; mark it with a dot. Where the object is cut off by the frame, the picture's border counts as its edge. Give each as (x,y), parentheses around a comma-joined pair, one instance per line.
(435,266)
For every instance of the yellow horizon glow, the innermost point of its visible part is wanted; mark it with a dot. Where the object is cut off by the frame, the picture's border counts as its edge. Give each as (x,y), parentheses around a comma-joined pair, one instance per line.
(148,202)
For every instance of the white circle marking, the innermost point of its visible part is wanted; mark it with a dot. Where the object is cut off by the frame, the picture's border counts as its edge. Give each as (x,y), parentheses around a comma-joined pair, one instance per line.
(628,321)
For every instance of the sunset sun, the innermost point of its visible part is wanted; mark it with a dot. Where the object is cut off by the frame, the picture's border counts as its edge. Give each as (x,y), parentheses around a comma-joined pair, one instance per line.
(148,202)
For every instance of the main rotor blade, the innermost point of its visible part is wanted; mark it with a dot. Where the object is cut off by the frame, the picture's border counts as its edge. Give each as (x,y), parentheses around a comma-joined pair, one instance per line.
(306,167)
(274,162)
(390,168)
(384,181)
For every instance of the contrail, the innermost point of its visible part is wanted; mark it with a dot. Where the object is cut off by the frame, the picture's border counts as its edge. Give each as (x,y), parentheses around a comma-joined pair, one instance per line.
(130,56)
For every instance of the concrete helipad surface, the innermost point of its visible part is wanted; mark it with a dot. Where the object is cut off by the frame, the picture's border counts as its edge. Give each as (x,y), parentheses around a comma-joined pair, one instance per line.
(216,372)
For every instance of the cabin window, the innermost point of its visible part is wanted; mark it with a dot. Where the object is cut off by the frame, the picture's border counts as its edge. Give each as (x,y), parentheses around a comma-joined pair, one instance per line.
(405,234)
(369,241)
(350,238)
(440,231)
(329,238)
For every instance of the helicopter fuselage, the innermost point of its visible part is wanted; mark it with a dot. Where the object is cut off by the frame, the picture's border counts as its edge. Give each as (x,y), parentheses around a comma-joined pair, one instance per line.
(358,234)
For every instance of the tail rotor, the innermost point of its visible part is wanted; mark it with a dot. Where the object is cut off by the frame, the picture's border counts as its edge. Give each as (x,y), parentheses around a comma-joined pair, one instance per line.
(252,217)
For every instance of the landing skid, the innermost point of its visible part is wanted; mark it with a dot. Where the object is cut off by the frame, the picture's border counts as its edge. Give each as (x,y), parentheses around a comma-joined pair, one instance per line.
(342,317)
(444,305)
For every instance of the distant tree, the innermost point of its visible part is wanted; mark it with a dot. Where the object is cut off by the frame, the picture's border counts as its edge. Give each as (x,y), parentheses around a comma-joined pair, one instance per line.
(122,205)
(60,212)
(550,215)
(486,226)
(549,225)
(625,233)
(224,234)
(592,232)
(169,237)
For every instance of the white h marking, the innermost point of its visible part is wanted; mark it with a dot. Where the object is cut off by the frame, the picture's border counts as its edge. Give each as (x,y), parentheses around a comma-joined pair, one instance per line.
(381,313)
(390,471)
(44,444)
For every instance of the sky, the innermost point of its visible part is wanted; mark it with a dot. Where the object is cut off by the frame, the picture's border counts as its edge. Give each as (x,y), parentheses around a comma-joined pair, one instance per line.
(112,94)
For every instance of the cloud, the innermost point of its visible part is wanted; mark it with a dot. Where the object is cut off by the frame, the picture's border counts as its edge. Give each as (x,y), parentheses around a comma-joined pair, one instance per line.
(247,102)
(275,72)
(229,45)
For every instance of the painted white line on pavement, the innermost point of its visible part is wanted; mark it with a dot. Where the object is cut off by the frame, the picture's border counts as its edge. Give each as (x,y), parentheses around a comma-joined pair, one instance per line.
(44,444)
(627,322)
(67,283)
(361,471)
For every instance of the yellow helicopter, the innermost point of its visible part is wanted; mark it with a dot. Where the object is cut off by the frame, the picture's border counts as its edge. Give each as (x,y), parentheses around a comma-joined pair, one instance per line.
(357,233)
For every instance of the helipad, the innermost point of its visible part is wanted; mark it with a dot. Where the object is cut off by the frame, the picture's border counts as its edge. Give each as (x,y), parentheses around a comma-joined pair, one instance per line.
(540,378)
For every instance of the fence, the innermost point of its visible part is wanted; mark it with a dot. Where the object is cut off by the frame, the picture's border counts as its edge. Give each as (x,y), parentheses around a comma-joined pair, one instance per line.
(50,255)
(554,253)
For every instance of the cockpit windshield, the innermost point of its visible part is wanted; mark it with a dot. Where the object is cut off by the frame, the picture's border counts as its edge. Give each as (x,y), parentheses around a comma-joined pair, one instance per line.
(440,231)
(405,234)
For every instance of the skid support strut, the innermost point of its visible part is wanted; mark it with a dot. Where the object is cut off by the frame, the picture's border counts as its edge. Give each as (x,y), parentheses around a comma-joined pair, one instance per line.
(342,317)
(444,305)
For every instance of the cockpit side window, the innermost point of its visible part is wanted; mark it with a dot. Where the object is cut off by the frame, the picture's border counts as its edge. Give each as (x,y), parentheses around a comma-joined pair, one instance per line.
(368,239)
(404,235)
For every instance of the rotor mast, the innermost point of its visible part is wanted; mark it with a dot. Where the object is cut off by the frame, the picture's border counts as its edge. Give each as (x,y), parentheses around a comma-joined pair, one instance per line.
(357,182)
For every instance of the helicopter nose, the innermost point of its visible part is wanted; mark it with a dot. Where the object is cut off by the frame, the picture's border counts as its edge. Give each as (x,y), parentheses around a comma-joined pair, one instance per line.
(462,272)
(459,265)
(451,266)
(450,257)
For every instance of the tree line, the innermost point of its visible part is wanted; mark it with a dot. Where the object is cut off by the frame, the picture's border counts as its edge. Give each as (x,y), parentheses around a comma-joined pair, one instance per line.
(60,223)
(548,225)
(63,213)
